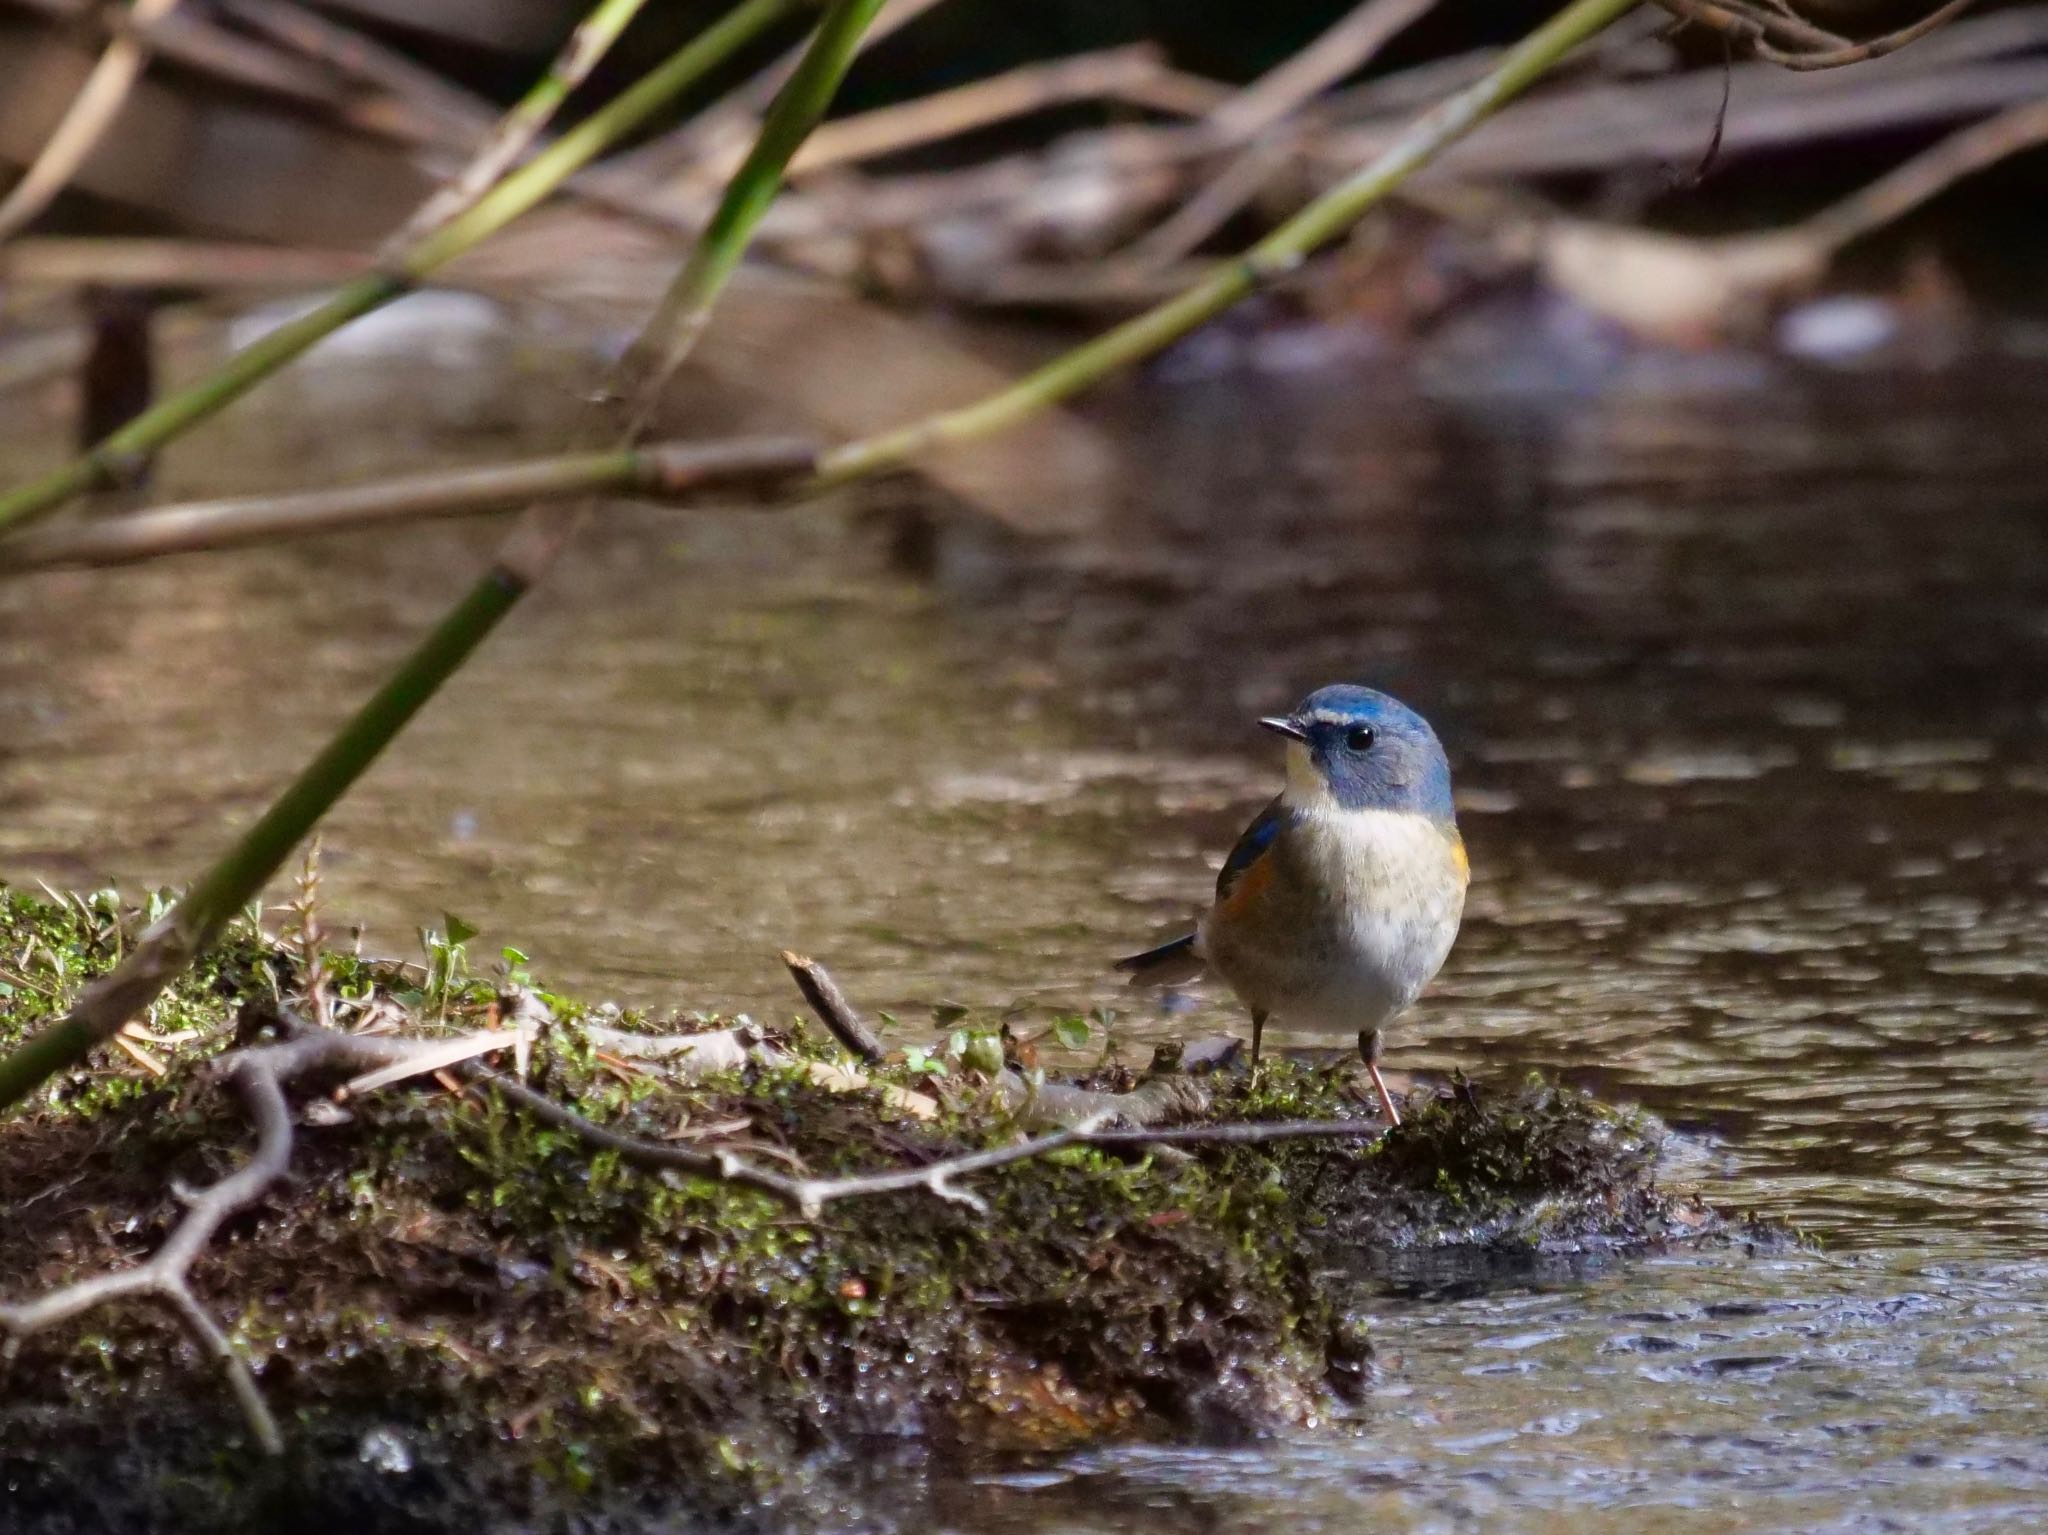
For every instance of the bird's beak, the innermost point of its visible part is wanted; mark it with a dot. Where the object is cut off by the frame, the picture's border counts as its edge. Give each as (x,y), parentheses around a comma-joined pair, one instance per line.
(1284,725)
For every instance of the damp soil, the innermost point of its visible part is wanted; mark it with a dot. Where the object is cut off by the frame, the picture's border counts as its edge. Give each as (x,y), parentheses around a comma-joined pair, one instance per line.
(464,1316)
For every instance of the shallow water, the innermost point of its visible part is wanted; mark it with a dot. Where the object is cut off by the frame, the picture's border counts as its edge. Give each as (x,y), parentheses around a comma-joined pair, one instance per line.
(1744,673)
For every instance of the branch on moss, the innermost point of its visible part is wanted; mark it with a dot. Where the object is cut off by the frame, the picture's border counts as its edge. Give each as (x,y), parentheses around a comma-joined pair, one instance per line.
(259,1074)
(809,1196)
(1160,1100)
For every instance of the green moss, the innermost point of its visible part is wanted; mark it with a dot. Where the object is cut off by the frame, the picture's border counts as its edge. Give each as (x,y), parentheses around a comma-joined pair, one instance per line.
(537,1321)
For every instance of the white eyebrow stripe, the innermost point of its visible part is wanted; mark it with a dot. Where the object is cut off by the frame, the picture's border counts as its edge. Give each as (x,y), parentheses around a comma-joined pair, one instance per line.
(1324,717)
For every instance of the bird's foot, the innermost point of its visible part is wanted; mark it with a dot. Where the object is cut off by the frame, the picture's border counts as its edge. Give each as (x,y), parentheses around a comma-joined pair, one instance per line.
(1371,1045)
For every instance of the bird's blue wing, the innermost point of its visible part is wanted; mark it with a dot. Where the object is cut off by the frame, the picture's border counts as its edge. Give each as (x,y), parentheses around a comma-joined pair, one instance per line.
(1251,847)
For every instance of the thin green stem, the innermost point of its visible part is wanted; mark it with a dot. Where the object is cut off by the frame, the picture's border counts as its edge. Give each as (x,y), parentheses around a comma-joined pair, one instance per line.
(798,108)
(519,128)
(115,460)
(1279,253)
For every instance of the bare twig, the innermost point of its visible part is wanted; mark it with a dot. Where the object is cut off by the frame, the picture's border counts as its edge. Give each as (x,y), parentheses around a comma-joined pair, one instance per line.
(809,1196)
(165,1277)
(360,58)
(1213,205)
(59,261)
(91,114)
(1343,50)
(825,998)
(666,471)
(260,1073)
(1137,75)
(1778,36)
(1928,173)
(1156,1101)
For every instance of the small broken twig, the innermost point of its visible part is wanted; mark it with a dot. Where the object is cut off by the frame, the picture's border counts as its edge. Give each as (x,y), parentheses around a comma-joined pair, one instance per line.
(833,1010)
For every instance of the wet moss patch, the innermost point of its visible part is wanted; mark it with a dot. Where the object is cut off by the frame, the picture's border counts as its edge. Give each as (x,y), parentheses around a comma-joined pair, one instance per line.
(464,1317)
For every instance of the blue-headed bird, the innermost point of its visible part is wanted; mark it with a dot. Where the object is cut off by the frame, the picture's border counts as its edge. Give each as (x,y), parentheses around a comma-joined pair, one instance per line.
(1341,900)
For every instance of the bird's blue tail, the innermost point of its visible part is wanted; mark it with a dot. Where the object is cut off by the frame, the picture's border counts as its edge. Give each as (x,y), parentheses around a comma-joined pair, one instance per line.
(1168,965)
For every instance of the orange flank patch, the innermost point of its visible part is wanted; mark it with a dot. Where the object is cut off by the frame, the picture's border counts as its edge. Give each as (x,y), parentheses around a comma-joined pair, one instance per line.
(1247,890)
(1459,856)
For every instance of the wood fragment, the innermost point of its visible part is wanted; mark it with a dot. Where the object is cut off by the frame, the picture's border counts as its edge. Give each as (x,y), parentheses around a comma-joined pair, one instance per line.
(829,1003)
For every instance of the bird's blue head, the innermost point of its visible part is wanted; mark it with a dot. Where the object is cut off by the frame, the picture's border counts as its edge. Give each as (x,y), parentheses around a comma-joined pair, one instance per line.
(1365,751)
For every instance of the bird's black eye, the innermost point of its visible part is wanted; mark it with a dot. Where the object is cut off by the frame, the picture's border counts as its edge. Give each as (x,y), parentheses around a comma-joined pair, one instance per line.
(1359,738)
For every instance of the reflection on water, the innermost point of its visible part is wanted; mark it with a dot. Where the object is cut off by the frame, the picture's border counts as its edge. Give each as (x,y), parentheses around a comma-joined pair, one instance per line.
(1747,695)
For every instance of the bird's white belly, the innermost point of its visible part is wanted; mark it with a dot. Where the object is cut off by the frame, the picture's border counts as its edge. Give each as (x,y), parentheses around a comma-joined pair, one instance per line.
(1369,907)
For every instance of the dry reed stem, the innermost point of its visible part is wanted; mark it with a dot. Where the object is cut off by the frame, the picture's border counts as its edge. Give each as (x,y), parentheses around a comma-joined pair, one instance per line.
(91,113)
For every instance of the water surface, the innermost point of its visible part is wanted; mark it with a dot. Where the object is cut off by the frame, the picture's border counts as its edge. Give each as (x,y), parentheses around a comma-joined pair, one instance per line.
(1744,673)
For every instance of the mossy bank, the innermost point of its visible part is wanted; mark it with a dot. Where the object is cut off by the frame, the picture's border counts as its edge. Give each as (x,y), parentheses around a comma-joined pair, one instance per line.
(465,1319)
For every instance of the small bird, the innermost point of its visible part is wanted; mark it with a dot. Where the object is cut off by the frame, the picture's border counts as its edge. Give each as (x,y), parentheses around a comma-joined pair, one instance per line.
(1342,898)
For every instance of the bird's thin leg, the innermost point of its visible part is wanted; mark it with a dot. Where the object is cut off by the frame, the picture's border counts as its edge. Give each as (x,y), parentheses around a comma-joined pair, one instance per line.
(1370,1044)
(1258,1028)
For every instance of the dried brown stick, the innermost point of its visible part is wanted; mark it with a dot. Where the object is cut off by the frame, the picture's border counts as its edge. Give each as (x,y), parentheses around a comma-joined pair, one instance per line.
(1213,204)
(460,119)
(1927,174)
(186,37)
(667,471)
(824,998)
(1606,124)
(1138,75)
(65,262)
(718,134)
(1857,53)
(86,121)
(1751,24)
(361,58)
(1342,50)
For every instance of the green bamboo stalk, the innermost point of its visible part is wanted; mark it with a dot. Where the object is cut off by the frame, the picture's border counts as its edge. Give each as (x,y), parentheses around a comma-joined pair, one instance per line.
(1273,257)
(799,107)
(116,460)
(196,920)
(519,128)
